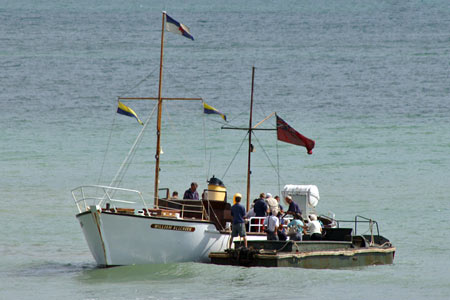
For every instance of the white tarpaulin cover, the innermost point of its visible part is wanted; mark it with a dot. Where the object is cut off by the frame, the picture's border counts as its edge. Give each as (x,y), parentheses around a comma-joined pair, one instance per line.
(312,190)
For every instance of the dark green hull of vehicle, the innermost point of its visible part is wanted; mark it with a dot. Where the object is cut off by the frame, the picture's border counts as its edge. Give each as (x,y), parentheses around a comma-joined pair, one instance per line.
(309,254)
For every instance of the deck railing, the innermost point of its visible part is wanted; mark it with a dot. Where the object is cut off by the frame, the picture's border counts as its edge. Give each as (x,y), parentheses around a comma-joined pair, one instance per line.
(256,224)
(359,220)
(96,195)
(114,199)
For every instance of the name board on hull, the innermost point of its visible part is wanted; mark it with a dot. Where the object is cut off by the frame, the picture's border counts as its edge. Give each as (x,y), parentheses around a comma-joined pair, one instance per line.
(173,227)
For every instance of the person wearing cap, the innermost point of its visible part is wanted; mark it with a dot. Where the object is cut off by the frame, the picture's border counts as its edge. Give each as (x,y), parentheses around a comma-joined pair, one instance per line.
(238,213)
(272,204)
(293,207)
(191,193)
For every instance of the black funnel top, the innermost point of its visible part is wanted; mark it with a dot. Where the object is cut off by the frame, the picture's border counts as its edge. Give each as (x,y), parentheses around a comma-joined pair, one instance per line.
(216,181)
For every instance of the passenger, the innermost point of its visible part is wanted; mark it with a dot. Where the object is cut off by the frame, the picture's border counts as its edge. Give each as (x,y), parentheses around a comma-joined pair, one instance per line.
(238,213)
(293,207)
(272,204)
(314,228)
(271,224)
(280,207)
(248,215)
(251,212)
(260,211)
(261,206)
(175,195)
(282,236)
(191,193)
(295,228)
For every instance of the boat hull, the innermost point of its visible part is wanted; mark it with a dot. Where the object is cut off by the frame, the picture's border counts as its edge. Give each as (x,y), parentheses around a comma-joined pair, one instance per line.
(120,239)
(310,255)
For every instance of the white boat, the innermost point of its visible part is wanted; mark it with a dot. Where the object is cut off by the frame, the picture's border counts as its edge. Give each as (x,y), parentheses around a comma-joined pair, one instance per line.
(118,236)
(126,236)
(122,229)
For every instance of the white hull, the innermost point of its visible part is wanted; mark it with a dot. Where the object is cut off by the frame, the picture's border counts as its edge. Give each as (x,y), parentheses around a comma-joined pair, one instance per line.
(118,239)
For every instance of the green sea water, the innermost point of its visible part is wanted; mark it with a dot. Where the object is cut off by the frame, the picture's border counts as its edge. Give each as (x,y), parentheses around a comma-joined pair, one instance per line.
(368,81)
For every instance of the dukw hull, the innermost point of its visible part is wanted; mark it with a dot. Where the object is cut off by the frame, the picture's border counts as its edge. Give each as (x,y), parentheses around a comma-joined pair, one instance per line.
(120,239)
(307,254)
(330,259)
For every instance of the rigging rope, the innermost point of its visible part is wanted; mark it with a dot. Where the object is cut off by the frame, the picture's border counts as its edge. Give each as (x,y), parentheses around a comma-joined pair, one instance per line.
(125,164)
(107,149)
(204,146)
(268,158)
(223,176)
(140,82)
(278,168)
(169,122)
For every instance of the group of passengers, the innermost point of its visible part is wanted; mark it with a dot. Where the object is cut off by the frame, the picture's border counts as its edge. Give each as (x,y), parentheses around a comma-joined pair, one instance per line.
(271,217)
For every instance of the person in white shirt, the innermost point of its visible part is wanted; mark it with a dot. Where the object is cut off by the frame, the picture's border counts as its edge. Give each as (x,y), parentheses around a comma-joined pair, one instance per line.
(272,203)
(271,224)
(314,228)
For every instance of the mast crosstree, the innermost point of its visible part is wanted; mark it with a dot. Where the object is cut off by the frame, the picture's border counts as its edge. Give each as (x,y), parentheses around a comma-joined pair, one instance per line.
(250,130)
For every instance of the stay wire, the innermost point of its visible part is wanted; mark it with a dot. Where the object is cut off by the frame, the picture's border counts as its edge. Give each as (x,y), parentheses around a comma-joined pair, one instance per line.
(107,150)
(267,156)
(278,168)
(204,146)
(139,83)
(172,127)
(126,163)
(239,149)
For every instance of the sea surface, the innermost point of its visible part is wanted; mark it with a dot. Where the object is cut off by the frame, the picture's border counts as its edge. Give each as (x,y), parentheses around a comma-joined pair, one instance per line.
(369,81)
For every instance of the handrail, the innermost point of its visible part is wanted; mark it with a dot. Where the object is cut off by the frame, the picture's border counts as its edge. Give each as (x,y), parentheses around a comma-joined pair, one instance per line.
(356,221)
(84,196)
(183,205)
(107,196)
(370,221)
(258,225)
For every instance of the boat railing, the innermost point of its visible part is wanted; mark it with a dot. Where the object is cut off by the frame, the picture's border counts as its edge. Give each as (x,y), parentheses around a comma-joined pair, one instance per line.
(89,196)
(186,209)
(256,224)
(359,220)
(96,195)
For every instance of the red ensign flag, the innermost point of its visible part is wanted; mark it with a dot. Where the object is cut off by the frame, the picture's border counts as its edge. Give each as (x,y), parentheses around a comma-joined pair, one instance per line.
(288,134)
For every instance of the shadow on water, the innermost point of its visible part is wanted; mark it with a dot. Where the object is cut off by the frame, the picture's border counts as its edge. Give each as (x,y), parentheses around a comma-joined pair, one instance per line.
(52,269)
(90,273)
(136,273)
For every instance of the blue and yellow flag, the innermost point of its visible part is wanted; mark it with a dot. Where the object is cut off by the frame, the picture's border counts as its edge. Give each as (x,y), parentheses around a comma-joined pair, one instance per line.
(208,109)
(125,110)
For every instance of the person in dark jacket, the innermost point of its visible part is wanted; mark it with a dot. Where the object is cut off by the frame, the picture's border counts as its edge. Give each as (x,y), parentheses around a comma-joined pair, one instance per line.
(238,213)
(293,207)
(191,193)
(260,209)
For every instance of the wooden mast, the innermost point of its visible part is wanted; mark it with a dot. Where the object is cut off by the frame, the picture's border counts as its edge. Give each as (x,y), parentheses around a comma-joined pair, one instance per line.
(158,124)
(250,130)
(160,99)
(250,140)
